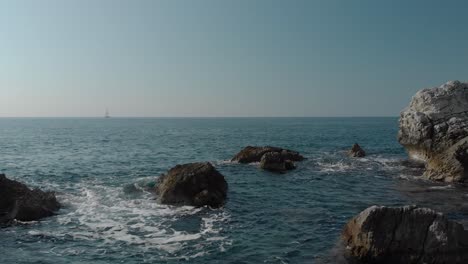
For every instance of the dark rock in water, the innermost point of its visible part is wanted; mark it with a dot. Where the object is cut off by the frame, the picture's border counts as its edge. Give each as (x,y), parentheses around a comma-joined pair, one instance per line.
(195,184)
(289,165)
(404,235)
(434,129)
(356,151)
(9,212)
(21,203)
(254,154)
(274,161)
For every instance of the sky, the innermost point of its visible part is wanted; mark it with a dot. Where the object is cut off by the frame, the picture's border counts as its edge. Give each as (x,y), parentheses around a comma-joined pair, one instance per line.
(233,58)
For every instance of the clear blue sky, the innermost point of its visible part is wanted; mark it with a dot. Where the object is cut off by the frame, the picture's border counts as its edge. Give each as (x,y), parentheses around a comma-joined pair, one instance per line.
(226,58)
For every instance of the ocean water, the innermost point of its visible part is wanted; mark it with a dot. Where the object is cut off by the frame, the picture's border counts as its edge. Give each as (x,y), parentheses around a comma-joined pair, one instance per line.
(101,170)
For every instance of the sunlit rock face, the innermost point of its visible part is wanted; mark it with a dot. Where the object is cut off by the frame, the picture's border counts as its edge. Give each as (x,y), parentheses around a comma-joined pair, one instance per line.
(434,129)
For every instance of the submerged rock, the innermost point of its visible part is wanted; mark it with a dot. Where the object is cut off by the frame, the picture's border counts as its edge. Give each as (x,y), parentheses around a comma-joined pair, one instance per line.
(274,161)
(404,235)
(254,154)
(195,184)
(356,151)
(23,204)
(434,129)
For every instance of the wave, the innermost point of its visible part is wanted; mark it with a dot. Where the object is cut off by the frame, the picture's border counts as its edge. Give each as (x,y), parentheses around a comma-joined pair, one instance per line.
(442,187)
(105,214)
(224,162)
(145,185)
(388,165)
(337,166)
(333,163)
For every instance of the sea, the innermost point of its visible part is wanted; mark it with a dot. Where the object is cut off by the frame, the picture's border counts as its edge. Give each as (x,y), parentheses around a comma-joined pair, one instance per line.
(103,171)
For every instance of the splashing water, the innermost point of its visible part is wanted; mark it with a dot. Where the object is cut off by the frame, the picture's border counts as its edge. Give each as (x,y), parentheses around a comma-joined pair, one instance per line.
(104,170)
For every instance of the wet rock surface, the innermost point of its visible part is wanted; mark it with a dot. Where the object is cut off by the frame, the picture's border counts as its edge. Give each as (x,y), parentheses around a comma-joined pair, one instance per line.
(404,235)
(18,202)
(252,154)
(195,184)
(274,161)
(356,151)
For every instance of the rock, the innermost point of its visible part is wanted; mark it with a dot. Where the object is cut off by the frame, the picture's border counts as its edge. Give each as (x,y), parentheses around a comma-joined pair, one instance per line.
(356,151)
(289,165)
(195,184)
(254,154)
(434,129)
(9,212)
(23,204)
(270,158)
(274,161)
(404,235)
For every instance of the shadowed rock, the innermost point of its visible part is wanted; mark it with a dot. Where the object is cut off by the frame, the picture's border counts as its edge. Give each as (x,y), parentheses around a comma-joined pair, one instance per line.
(19,202)
(271,158)
(195,184)
(356,151)
(274,161)
(434,129)
(254,154)
(404,235)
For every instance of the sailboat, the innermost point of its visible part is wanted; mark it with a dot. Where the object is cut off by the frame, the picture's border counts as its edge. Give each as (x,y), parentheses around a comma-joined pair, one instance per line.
(107,114)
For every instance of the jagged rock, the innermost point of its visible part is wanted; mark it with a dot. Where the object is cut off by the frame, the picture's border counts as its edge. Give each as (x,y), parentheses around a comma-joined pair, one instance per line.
(356,151)
(254,154)
(407,234)
(195,184)
(21,203)
(274,161)
(434,129)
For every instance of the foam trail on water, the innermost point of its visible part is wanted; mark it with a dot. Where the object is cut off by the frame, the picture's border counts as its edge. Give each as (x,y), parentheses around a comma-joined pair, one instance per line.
(101,213)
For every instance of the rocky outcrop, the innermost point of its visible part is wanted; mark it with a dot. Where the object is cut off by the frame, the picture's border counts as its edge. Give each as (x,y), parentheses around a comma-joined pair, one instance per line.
(404,235)
(18,202)
(271,158)
(434,129)
(195,184)
(356,151)
(274,161)
(254,154)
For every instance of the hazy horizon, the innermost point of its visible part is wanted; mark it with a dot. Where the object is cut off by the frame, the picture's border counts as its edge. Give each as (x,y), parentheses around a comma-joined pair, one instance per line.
(187,117)
(225,58)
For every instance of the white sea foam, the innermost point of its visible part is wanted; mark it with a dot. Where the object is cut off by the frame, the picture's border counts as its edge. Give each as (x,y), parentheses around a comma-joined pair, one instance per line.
(442,187)
(225,162)
(102,213)
(331,164)
(387,163)
(409,177)
(339,166)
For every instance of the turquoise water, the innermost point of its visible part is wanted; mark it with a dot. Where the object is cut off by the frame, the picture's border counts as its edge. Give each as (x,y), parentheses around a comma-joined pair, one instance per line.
(101,167)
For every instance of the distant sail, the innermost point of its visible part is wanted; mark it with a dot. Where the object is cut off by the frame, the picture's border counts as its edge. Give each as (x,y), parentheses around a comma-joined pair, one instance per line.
(107,114)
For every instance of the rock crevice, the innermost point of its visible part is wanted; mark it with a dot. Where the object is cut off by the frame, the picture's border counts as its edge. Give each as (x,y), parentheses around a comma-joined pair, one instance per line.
(433,128)
(404,235)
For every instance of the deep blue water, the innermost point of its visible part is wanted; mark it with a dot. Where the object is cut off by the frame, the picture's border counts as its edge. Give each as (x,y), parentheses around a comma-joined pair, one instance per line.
(99,167)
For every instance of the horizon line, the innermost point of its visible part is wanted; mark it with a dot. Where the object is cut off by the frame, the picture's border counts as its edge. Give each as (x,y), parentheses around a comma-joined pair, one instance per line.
(187,117)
